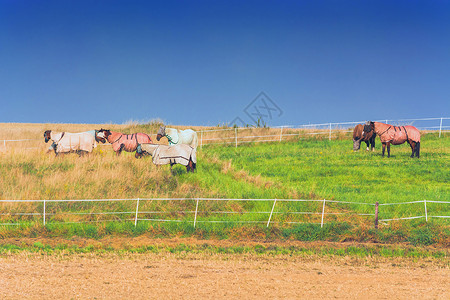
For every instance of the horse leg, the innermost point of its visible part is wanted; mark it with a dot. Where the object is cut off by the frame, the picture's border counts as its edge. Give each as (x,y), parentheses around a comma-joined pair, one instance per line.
(389,149)
(367,144)
(413,147)
(119,151)
(384,148)
(418,149)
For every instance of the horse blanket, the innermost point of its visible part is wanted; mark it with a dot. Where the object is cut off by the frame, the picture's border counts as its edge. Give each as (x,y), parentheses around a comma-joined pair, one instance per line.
(164,155)
(397,135)
(176,136)
(70,142)
(130,141)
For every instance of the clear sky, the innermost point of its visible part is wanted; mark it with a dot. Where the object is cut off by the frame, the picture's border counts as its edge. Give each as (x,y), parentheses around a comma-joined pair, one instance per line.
(205,62)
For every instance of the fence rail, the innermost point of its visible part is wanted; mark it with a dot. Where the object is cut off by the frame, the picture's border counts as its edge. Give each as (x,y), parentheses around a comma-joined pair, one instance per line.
(12,217)
(231,135)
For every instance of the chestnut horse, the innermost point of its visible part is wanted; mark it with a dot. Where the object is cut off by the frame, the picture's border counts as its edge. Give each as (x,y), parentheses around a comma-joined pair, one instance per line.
(395,135)
(358,137)
(127,142)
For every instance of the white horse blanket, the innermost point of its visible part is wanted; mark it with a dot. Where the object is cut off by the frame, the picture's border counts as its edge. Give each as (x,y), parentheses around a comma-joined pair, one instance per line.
(71,142)
(176,136)
(164,155)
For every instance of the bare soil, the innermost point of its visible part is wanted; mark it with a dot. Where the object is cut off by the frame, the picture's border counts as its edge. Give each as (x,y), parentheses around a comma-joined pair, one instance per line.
(166,275)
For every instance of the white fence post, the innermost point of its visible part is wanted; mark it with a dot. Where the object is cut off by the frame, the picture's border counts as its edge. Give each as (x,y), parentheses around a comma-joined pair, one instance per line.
(201,139)
(329,137)
(440,129)
(270,217)
(281,133)
(196,210)
(137,211)
(44,212)
(4,141)
(235,135)
(426,212)
(323,213)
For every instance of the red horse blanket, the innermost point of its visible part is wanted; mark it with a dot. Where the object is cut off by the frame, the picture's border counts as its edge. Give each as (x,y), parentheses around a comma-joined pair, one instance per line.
(397,135)
(130,141)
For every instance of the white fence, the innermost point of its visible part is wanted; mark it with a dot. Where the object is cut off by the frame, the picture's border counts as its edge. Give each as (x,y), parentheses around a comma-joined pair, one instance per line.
(238,135)
(441,125)
(48,213)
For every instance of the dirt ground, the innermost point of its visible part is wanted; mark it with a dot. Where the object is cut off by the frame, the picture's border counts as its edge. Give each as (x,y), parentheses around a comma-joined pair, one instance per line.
(28,275)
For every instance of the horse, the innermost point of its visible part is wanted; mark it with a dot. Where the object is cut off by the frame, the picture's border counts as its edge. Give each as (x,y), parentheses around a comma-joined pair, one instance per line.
(127,142)
(395,135)
(177,154)
(357,138)
(175,136)
(66,142)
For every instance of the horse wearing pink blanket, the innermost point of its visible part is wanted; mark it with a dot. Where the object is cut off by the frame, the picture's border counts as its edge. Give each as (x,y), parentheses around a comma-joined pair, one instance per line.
(127,142)
(395,135)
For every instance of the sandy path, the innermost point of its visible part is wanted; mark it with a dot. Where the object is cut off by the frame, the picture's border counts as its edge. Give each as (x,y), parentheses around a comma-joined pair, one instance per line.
(169,276)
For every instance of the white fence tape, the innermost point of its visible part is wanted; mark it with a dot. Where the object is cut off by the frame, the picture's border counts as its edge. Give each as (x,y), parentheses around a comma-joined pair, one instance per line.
(47,213)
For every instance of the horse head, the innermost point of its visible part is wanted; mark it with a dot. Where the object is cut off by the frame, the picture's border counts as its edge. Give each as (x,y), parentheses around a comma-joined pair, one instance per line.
(47,135)
(98,138)
(102,134)
(368,127)
(161,132)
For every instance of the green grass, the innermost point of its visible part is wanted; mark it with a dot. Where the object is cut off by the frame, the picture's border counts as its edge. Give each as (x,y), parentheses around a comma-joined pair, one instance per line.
(303,169)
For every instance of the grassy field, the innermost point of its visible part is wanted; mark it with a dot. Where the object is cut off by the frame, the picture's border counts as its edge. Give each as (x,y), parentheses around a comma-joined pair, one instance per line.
(312,169)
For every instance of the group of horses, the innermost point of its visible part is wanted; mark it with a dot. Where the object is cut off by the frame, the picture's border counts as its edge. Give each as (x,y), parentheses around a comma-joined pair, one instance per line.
(181,149)
(183,143)
(389,134)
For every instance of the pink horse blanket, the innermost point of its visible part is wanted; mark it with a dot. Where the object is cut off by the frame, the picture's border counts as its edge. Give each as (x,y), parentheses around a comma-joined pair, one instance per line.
(399,134)
(130,141)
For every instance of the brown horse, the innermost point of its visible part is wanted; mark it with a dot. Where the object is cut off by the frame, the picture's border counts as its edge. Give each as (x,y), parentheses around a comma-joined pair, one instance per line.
(369,138)
(127,142)
(395,135)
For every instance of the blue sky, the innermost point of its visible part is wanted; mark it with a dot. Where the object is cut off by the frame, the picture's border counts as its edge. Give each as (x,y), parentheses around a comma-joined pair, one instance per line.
(204,62)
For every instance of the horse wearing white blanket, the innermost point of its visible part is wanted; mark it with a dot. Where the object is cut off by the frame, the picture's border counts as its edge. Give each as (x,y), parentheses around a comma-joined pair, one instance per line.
(66,142)
(177,154)
(177,137)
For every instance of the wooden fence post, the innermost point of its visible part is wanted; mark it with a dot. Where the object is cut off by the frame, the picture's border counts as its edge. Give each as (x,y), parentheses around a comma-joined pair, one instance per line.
(201,139)
(440,129)
(323,213)
(281,133)
(376,215)
(235,135)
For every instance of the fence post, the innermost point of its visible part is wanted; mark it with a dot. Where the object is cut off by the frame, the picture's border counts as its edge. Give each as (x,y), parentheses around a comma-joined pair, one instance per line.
(235,135)
(196,210)
(270,217)
(329,137)
(376,215)
(44,212)
(281,133)
(137,211)
(426,212)
(323,213)
(440,129)
(4,142)
(201,139)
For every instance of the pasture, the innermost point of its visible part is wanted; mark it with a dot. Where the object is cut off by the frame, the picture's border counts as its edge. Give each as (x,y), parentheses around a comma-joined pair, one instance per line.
(313,168)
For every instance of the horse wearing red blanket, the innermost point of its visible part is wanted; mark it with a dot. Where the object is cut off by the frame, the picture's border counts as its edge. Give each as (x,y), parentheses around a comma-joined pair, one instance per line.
(127,142)
(395,135)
